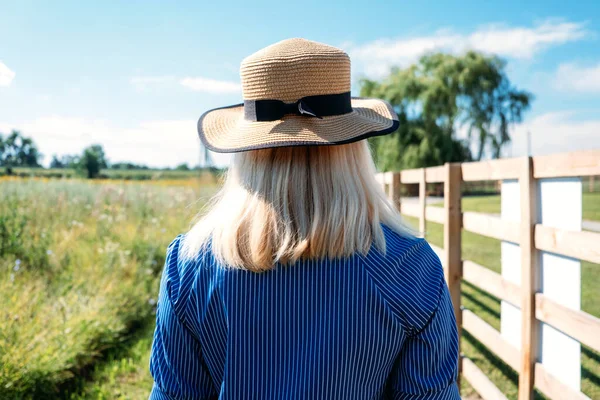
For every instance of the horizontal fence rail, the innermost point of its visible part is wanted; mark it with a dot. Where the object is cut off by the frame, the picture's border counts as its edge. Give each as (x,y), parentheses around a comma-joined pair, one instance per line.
(582,245)
(532,237)
(491,282)
(577,324)
(490,337)
(480,382)
(490,226)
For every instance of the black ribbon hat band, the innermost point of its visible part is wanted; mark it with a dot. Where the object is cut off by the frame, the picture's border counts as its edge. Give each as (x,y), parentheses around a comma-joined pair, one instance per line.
(313,106)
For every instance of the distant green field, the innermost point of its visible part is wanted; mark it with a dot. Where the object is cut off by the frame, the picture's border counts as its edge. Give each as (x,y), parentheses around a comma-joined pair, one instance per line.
(491,205)
(120,174)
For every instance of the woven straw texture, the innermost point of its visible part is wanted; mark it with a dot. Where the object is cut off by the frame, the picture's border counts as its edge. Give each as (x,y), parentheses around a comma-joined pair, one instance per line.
(288,71)
(295,68)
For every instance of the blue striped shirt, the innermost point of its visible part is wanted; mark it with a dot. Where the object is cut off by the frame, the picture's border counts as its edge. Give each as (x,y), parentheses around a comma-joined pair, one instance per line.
(366,327)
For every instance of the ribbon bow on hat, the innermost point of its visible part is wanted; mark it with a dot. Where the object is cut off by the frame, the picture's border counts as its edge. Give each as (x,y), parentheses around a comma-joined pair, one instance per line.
(313,106)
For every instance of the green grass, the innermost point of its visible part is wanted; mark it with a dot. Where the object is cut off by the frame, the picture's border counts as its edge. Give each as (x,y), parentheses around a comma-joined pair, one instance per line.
(123,374)
(119,174)
(486,251)
(591,206)
(491,205)
(79,269)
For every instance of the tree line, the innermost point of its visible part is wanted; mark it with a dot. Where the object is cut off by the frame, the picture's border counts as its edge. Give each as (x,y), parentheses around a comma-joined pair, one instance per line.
(17,150)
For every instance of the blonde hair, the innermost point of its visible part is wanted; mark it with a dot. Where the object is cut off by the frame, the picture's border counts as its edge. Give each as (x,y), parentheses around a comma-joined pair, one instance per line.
(286,203)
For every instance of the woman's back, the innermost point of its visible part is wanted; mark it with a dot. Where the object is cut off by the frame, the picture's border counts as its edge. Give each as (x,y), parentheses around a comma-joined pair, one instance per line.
(300,280)
(363,327)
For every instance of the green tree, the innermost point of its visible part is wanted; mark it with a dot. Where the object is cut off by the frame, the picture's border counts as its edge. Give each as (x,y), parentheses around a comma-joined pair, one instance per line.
(17,150)
(65,161)
(99,151)
(92,161)
(2,149)
(439,95)
(56,162)
(128,166)
(182,167)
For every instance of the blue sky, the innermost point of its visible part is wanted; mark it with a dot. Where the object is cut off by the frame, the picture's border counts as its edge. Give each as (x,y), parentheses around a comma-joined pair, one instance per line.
(136,75)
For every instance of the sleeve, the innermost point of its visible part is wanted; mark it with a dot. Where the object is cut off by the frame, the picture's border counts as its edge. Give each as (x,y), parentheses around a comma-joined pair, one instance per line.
(427,366)
(176,356)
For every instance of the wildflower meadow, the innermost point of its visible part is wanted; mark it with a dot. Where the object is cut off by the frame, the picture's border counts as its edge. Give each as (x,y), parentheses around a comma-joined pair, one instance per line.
(80,264)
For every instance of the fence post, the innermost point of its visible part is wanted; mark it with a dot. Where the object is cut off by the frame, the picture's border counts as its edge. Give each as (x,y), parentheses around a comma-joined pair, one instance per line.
(394,189)
(452,237)
(422,202)
(530,281)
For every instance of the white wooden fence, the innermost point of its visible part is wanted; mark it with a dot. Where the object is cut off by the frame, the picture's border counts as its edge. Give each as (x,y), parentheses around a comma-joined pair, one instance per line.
(535,306)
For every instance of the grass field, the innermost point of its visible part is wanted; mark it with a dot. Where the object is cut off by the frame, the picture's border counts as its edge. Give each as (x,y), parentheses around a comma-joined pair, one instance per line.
(118,174)
(80,262)
(79,266)
(123,373)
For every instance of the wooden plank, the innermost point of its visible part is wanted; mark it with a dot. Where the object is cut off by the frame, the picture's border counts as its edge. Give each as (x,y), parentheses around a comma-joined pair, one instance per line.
(493,170)
(553,388)
(422,202)
(577,324)
(410,176)
(452,237)
(395,186)
(491,282)
(582,245)
(435,174)
(412,210)
(480,382)
(577,163)
(435,214)
(384,179)
(491,338)
(387,177)
(380,178)
(530,281)
(491,226)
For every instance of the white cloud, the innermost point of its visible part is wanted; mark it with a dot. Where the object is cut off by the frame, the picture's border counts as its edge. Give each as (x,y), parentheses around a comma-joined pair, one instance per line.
(556,132)
(578,78)
(144,82)
(197,84)
(155,143)
(377,57)
(6,75)
(207,85)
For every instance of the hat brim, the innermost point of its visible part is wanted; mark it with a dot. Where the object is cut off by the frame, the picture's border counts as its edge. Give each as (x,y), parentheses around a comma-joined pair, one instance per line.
(224,130)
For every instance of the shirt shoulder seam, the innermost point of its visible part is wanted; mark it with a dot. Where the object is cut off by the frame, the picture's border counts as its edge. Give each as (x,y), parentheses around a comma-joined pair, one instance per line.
(434,312)
(401,318)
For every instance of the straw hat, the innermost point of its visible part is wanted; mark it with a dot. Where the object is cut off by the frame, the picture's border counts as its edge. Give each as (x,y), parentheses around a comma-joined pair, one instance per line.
(296,93)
